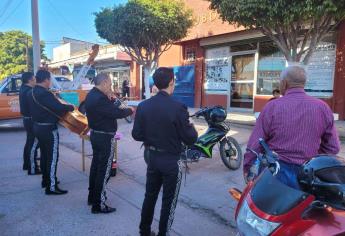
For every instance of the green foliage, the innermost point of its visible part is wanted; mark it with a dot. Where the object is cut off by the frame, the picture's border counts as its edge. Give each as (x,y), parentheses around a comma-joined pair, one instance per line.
(142,27)
(259,13)
(289,23)
(13,52)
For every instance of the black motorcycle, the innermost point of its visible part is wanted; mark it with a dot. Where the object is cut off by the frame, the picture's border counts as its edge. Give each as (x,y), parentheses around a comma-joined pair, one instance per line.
(230,150)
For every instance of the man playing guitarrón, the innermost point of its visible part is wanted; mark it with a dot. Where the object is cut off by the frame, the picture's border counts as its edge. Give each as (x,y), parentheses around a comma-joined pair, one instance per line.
(46,110)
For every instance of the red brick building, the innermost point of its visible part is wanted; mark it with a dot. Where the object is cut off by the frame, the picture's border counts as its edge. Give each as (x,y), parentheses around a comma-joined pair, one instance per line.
(239,68)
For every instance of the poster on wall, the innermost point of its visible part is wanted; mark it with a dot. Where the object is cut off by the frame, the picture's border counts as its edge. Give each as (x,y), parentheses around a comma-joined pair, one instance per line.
(320,71)
(217,71)
(269,70)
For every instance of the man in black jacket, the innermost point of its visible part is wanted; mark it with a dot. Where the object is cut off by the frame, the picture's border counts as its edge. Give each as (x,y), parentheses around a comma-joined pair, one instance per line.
(46,110)
(102,113)
(125,88)
(162,124)
(30,149)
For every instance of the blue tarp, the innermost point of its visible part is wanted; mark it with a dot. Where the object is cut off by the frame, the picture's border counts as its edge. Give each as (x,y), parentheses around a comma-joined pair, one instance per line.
(184,84)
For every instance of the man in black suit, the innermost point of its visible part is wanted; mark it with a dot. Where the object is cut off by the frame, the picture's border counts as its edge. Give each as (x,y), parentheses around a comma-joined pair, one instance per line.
(30,149)
(162,124)
(102,114)
(46,110)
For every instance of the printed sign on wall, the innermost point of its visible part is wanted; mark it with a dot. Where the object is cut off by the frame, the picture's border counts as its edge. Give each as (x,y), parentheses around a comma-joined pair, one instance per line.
(320,71)
(217,72)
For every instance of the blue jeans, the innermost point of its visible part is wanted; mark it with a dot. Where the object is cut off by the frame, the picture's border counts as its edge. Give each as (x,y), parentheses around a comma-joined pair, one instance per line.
(288,174)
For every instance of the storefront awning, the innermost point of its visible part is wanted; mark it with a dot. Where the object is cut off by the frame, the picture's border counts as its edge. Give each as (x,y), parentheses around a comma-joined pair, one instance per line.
(231,37)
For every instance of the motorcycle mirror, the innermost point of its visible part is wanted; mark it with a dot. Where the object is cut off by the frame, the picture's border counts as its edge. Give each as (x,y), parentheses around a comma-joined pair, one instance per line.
(235,193)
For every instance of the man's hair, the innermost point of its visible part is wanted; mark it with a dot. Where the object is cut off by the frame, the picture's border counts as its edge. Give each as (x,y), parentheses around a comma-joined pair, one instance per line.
(42,75)
(275,91)
(100,78)
(294,75)
(162,77)
(27,76)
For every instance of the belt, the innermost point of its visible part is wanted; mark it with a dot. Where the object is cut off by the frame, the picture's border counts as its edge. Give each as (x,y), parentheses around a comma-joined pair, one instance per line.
(27,117)
(103,132)
(152,148)
(39,123)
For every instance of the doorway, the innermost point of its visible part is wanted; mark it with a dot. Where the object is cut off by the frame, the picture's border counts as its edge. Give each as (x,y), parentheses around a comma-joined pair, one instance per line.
(242,81)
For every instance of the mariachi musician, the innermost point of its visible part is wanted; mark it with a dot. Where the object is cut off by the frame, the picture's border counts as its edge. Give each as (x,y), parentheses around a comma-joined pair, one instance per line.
(31,144)
(46,110)
(102,113)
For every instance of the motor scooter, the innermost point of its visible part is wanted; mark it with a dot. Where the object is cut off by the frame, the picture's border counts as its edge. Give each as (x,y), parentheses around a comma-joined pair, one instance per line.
(217,133)
(269,207)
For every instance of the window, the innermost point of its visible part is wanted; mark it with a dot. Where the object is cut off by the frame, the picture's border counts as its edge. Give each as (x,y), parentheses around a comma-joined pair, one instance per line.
(18,84)
(321,67)
(190,54)
(270,65)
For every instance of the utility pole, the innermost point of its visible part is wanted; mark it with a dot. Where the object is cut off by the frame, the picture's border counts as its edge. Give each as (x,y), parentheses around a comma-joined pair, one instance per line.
(35,36)
(27,53)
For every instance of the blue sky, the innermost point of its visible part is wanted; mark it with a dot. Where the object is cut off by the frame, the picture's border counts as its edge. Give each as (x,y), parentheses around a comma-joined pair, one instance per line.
(57,18)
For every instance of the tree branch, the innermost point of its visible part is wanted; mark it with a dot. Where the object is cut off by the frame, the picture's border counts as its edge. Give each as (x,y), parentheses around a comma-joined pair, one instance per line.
(267,31)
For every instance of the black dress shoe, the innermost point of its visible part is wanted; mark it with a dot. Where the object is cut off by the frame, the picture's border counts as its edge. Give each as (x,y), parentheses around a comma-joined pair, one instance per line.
(55,192)
(150,234)
(97,209)
(37,172)
(57,188)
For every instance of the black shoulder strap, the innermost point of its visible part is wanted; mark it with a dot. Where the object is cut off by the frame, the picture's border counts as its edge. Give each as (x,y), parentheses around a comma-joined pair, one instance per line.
(44,107)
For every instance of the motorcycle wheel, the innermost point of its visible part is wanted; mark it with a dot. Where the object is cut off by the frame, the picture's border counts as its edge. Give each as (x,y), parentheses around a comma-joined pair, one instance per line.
(231,153)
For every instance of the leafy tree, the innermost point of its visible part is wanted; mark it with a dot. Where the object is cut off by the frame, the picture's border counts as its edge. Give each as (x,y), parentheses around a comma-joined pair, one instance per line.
(145,29)
(13,52)
(296,26)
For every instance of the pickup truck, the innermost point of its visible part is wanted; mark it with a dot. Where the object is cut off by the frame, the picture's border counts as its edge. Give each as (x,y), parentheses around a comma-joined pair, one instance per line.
(9,96)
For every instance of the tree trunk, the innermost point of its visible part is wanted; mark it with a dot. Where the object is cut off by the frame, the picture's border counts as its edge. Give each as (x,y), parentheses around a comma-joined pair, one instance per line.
(147,72)
(294,63)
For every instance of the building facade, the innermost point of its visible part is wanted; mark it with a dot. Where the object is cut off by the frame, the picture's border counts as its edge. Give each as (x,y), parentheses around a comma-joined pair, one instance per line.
(239,68)
(72,54)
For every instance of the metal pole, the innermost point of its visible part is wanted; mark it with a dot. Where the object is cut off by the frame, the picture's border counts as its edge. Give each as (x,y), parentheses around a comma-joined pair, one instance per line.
(35,36)
(27,53)
(82,153)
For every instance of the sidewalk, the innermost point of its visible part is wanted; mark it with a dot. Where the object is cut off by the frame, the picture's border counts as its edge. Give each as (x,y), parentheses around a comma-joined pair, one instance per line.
(249,119)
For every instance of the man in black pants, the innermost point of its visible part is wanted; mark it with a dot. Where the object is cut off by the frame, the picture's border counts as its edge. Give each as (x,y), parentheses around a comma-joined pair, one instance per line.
(46,110)
(162,124)
(102,113)
(125,88)
(30,149)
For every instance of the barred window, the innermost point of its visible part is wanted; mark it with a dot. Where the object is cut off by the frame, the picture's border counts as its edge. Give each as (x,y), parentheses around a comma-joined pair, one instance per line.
(190,54)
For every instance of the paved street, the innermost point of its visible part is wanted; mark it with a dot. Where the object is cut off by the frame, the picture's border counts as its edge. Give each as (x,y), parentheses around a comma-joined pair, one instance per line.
(205,207)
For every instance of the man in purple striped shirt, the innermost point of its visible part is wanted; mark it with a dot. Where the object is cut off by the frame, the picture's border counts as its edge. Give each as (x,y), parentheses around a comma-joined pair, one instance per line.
(296,126)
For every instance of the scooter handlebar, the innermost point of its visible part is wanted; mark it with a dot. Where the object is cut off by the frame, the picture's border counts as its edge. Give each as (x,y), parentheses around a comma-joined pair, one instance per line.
(265,146)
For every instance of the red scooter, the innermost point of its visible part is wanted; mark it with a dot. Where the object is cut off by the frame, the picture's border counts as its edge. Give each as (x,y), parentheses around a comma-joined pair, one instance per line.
(269,207)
